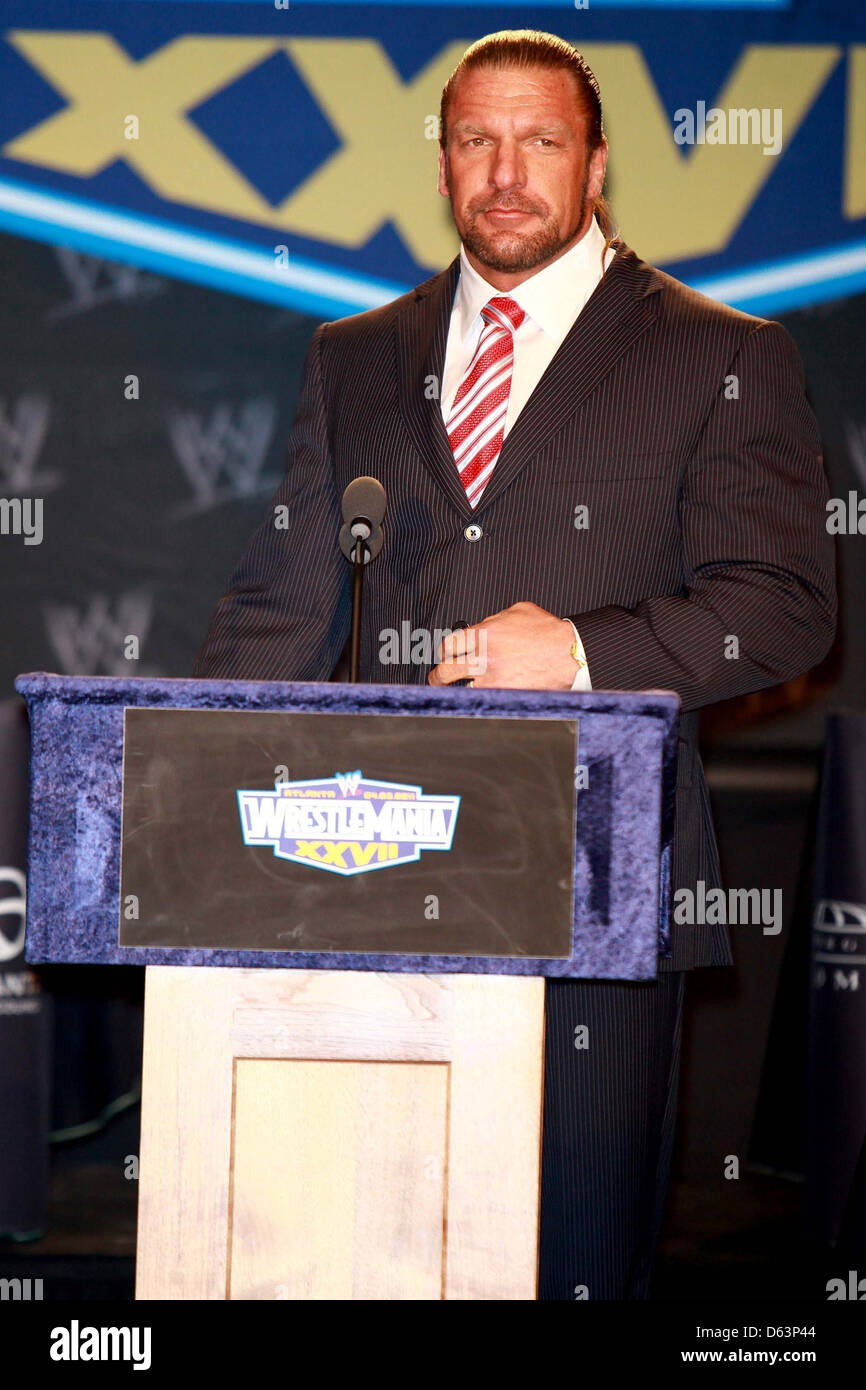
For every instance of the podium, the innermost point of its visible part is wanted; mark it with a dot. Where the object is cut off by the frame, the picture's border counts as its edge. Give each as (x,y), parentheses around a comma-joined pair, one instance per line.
(347,898)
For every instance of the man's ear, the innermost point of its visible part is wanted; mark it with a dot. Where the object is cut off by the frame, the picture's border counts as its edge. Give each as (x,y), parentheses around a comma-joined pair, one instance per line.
(597,167)
(443,174)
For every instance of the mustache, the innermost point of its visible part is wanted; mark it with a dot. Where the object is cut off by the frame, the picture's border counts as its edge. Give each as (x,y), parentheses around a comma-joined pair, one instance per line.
(509,205)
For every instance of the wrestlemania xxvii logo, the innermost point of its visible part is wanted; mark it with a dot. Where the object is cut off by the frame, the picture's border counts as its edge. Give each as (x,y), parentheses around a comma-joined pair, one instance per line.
(348,824)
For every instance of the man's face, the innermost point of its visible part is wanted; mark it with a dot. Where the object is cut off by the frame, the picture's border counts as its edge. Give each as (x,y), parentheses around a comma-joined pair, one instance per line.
(516,170)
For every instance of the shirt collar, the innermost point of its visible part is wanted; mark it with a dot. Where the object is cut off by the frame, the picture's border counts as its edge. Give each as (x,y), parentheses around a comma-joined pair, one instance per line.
(551,297)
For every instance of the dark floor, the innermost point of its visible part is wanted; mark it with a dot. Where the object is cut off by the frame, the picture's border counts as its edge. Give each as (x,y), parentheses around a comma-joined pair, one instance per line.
(724,1240)
(739,1241)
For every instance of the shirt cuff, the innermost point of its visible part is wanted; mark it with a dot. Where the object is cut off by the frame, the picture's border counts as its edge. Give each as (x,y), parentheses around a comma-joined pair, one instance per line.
(581,680)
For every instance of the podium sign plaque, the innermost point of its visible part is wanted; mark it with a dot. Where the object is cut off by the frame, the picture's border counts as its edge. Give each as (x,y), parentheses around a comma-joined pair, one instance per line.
(389,834)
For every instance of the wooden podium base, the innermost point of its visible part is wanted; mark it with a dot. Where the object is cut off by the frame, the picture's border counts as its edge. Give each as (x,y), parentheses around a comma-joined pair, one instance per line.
(339,1135)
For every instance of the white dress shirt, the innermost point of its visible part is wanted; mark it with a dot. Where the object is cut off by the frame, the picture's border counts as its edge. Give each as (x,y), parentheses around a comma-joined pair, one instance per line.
(551,300)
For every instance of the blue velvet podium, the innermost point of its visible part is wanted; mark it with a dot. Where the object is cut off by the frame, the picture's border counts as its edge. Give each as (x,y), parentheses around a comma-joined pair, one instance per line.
(339,1123)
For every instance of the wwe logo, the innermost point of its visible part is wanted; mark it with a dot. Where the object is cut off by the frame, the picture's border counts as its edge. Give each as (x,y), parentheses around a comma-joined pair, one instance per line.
(348,781)
(95,642)
(230,445)
(22,432)
(93,281)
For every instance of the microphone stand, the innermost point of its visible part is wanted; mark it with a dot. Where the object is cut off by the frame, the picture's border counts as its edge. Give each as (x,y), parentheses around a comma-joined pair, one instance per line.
(359,559)
(363,507)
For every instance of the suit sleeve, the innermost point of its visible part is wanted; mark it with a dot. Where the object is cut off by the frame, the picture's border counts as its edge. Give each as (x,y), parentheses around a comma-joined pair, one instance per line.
(286,612)
(759,600)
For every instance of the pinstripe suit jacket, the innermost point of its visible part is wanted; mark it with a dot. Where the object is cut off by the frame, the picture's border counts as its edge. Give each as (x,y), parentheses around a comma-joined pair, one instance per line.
(681,425)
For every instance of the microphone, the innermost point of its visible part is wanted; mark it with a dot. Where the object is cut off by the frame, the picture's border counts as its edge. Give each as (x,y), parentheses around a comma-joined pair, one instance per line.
(363,508)
(361,539)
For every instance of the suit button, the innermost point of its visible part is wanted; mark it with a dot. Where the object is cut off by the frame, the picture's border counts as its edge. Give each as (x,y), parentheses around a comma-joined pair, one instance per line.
(473,533)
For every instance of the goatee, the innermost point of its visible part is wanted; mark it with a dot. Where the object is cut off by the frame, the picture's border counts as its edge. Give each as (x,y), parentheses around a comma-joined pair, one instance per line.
(508,252)
(515,253)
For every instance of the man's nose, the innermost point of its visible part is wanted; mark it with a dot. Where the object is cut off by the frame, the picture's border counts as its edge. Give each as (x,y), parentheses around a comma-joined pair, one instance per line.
(507,170)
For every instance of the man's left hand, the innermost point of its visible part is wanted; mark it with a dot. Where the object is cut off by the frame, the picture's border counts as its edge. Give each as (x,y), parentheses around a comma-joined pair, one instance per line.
(523,647)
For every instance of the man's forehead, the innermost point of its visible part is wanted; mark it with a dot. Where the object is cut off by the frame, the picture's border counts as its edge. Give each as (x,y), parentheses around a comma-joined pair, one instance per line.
(514,82)
(515,92)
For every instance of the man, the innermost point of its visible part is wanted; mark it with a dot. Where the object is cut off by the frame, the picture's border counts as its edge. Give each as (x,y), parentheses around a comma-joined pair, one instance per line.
(620,482)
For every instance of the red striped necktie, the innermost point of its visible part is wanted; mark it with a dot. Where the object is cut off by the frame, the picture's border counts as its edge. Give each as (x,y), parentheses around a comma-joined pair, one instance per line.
(476,420)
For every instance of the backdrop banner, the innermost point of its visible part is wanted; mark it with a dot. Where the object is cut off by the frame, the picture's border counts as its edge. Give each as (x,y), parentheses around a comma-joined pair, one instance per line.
(288,152)
(25,1057)
(836,1101)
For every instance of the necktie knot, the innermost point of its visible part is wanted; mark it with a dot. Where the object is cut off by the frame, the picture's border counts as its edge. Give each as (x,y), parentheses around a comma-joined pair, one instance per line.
(504,312)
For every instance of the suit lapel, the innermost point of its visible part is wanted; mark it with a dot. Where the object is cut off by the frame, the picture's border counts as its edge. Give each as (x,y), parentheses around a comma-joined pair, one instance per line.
(422,335)
(620,308)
